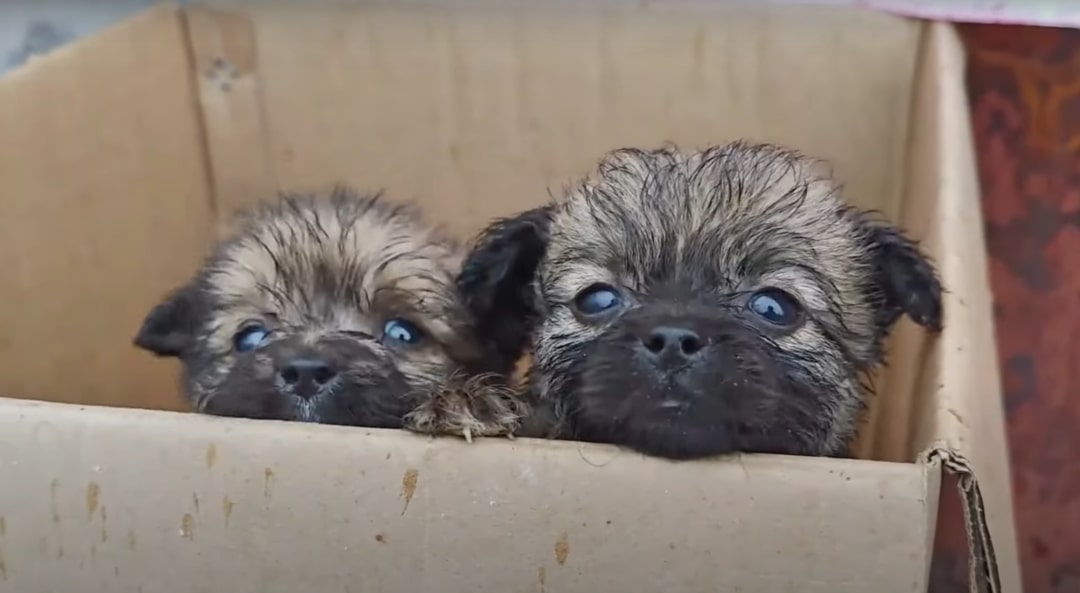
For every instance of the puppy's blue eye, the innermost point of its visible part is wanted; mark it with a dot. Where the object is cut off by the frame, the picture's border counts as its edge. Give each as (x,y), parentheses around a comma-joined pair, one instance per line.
(598,298)
(775,306)
(402,331)
(250,337)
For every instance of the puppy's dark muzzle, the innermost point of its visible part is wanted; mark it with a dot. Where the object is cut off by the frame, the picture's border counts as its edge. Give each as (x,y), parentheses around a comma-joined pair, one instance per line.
(306,371)
(305,377)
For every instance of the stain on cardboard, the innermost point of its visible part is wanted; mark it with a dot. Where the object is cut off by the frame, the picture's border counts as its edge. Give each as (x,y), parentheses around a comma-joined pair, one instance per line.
(187,526)
(3,526)
(562,548)
(3,567)
(104,532)
(380,537)
(226,508)
(408,486)
(211,456)
(195,502)
(116,571)
(132,541)
(60,553)
(268,482)
(93,495)
(53,487)
(388,456)
(93,551)
(541,576)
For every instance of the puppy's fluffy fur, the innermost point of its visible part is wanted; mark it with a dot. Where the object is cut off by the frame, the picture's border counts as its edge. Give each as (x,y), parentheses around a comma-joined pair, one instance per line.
(338,309)
(689,304)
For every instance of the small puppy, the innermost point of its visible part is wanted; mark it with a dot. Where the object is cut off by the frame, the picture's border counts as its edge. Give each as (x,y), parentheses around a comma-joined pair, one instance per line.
(690,304)
(337,309)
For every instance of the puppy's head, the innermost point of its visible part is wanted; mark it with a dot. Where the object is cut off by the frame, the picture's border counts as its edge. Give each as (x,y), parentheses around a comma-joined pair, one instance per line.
(688,304)
(337,309)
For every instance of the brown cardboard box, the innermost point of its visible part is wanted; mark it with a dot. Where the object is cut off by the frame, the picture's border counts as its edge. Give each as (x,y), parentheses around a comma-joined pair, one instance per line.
(120,154)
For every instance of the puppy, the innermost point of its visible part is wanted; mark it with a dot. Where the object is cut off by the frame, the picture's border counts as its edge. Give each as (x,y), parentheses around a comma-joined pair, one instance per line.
(690,304)
(337,309)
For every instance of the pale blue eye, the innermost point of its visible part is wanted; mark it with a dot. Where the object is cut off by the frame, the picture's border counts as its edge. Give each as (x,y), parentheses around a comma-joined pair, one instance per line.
(400,330)
(775,306)
(250,337)
(598,298)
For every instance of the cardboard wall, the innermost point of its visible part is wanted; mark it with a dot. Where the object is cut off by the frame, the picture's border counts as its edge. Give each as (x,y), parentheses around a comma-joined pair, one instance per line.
(106,204)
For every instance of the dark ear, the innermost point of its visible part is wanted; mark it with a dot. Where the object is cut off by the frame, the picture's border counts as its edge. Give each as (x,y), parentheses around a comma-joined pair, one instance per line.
(906,277)
(496,280)
(170,328)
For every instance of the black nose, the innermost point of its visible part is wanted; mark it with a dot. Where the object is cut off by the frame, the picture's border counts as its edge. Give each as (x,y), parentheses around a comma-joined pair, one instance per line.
(671,344)
(306,376)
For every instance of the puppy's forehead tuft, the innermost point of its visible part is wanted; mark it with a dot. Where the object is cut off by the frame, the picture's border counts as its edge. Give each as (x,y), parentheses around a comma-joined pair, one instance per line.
(724,216)
(307,256)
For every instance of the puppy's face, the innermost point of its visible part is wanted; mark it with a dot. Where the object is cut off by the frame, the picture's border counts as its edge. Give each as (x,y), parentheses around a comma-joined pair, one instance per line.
(694,304)
(337,310)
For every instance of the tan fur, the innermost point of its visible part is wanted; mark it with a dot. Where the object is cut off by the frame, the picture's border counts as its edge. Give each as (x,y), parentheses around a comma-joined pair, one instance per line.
(768,174)
(685,241)
(327,269)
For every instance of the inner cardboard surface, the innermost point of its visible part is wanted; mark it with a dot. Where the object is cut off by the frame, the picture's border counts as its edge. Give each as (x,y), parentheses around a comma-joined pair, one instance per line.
(473,111)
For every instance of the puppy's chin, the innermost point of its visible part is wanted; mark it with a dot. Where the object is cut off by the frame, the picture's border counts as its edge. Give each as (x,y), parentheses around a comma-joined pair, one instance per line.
(371,401)
(737,393)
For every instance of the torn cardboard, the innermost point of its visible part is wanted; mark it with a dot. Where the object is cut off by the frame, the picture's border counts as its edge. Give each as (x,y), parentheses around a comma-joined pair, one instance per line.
(175,118)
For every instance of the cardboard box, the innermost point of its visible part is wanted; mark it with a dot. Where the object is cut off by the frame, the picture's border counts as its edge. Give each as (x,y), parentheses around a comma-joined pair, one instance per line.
(120,154)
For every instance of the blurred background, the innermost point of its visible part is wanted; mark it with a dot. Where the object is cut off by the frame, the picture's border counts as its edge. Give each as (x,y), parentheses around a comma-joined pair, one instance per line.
(1024,88)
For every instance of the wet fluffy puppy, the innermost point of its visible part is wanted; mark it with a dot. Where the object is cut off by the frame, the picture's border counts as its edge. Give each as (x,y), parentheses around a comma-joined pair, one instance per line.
(339,309)
(689,304)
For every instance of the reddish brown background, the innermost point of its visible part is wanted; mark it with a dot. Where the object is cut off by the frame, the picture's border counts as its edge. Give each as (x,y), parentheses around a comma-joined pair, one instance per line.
(1024,89)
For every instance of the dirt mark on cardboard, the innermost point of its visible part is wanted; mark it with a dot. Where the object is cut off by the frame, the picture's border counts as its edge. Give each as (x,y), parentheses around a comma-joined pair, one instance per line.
(408,486)
(562,548)
(104,521)
(227,508)
(93,496)
(380,537)
(187,527)
(541,576)
(53,487)
(268,482)
(211,456)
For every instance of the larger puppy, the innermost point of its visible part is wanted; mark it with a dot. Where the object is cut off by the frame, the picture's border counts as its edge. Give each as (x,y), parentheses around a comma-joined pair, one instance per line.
(688,304)
(338,309)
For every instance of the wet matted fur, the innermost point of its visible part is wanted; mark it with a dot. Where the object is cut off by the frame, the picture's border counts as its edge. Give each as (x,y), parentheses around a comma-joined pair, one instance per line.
(695,303)
(339,309)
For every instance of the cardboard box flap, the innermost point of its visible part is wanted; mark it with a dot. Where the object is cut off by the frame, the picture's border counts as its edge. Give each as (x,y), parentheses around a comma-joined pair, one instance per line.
(112,499)
(961,419)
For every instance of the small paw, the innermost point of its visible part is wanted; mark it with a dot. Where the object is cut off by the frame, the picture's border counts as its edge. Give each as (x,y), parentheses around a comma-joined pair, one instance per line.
(478,407)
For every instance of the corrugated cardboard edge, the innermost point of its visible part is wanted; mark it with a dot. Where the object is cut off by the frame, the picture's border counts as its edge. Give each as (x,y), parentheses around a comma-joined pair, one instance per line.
(962,428)
(983,571)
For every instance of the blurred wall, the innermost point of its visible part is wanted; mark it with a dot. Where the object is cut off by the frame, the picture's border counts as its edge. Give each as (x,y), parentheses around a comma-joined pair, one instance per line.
(29,27)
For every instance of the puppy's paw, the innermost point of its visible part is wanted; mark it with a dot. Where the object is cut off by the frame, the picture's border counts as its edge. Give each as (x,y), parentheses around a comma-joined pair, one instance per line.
(481,406)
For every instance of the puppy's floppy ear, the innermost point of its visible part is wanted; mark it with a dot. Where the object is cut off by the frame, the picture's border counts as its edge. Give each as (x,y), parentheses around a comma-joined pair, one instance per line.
(496,280)
(906,277)
(169,329)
